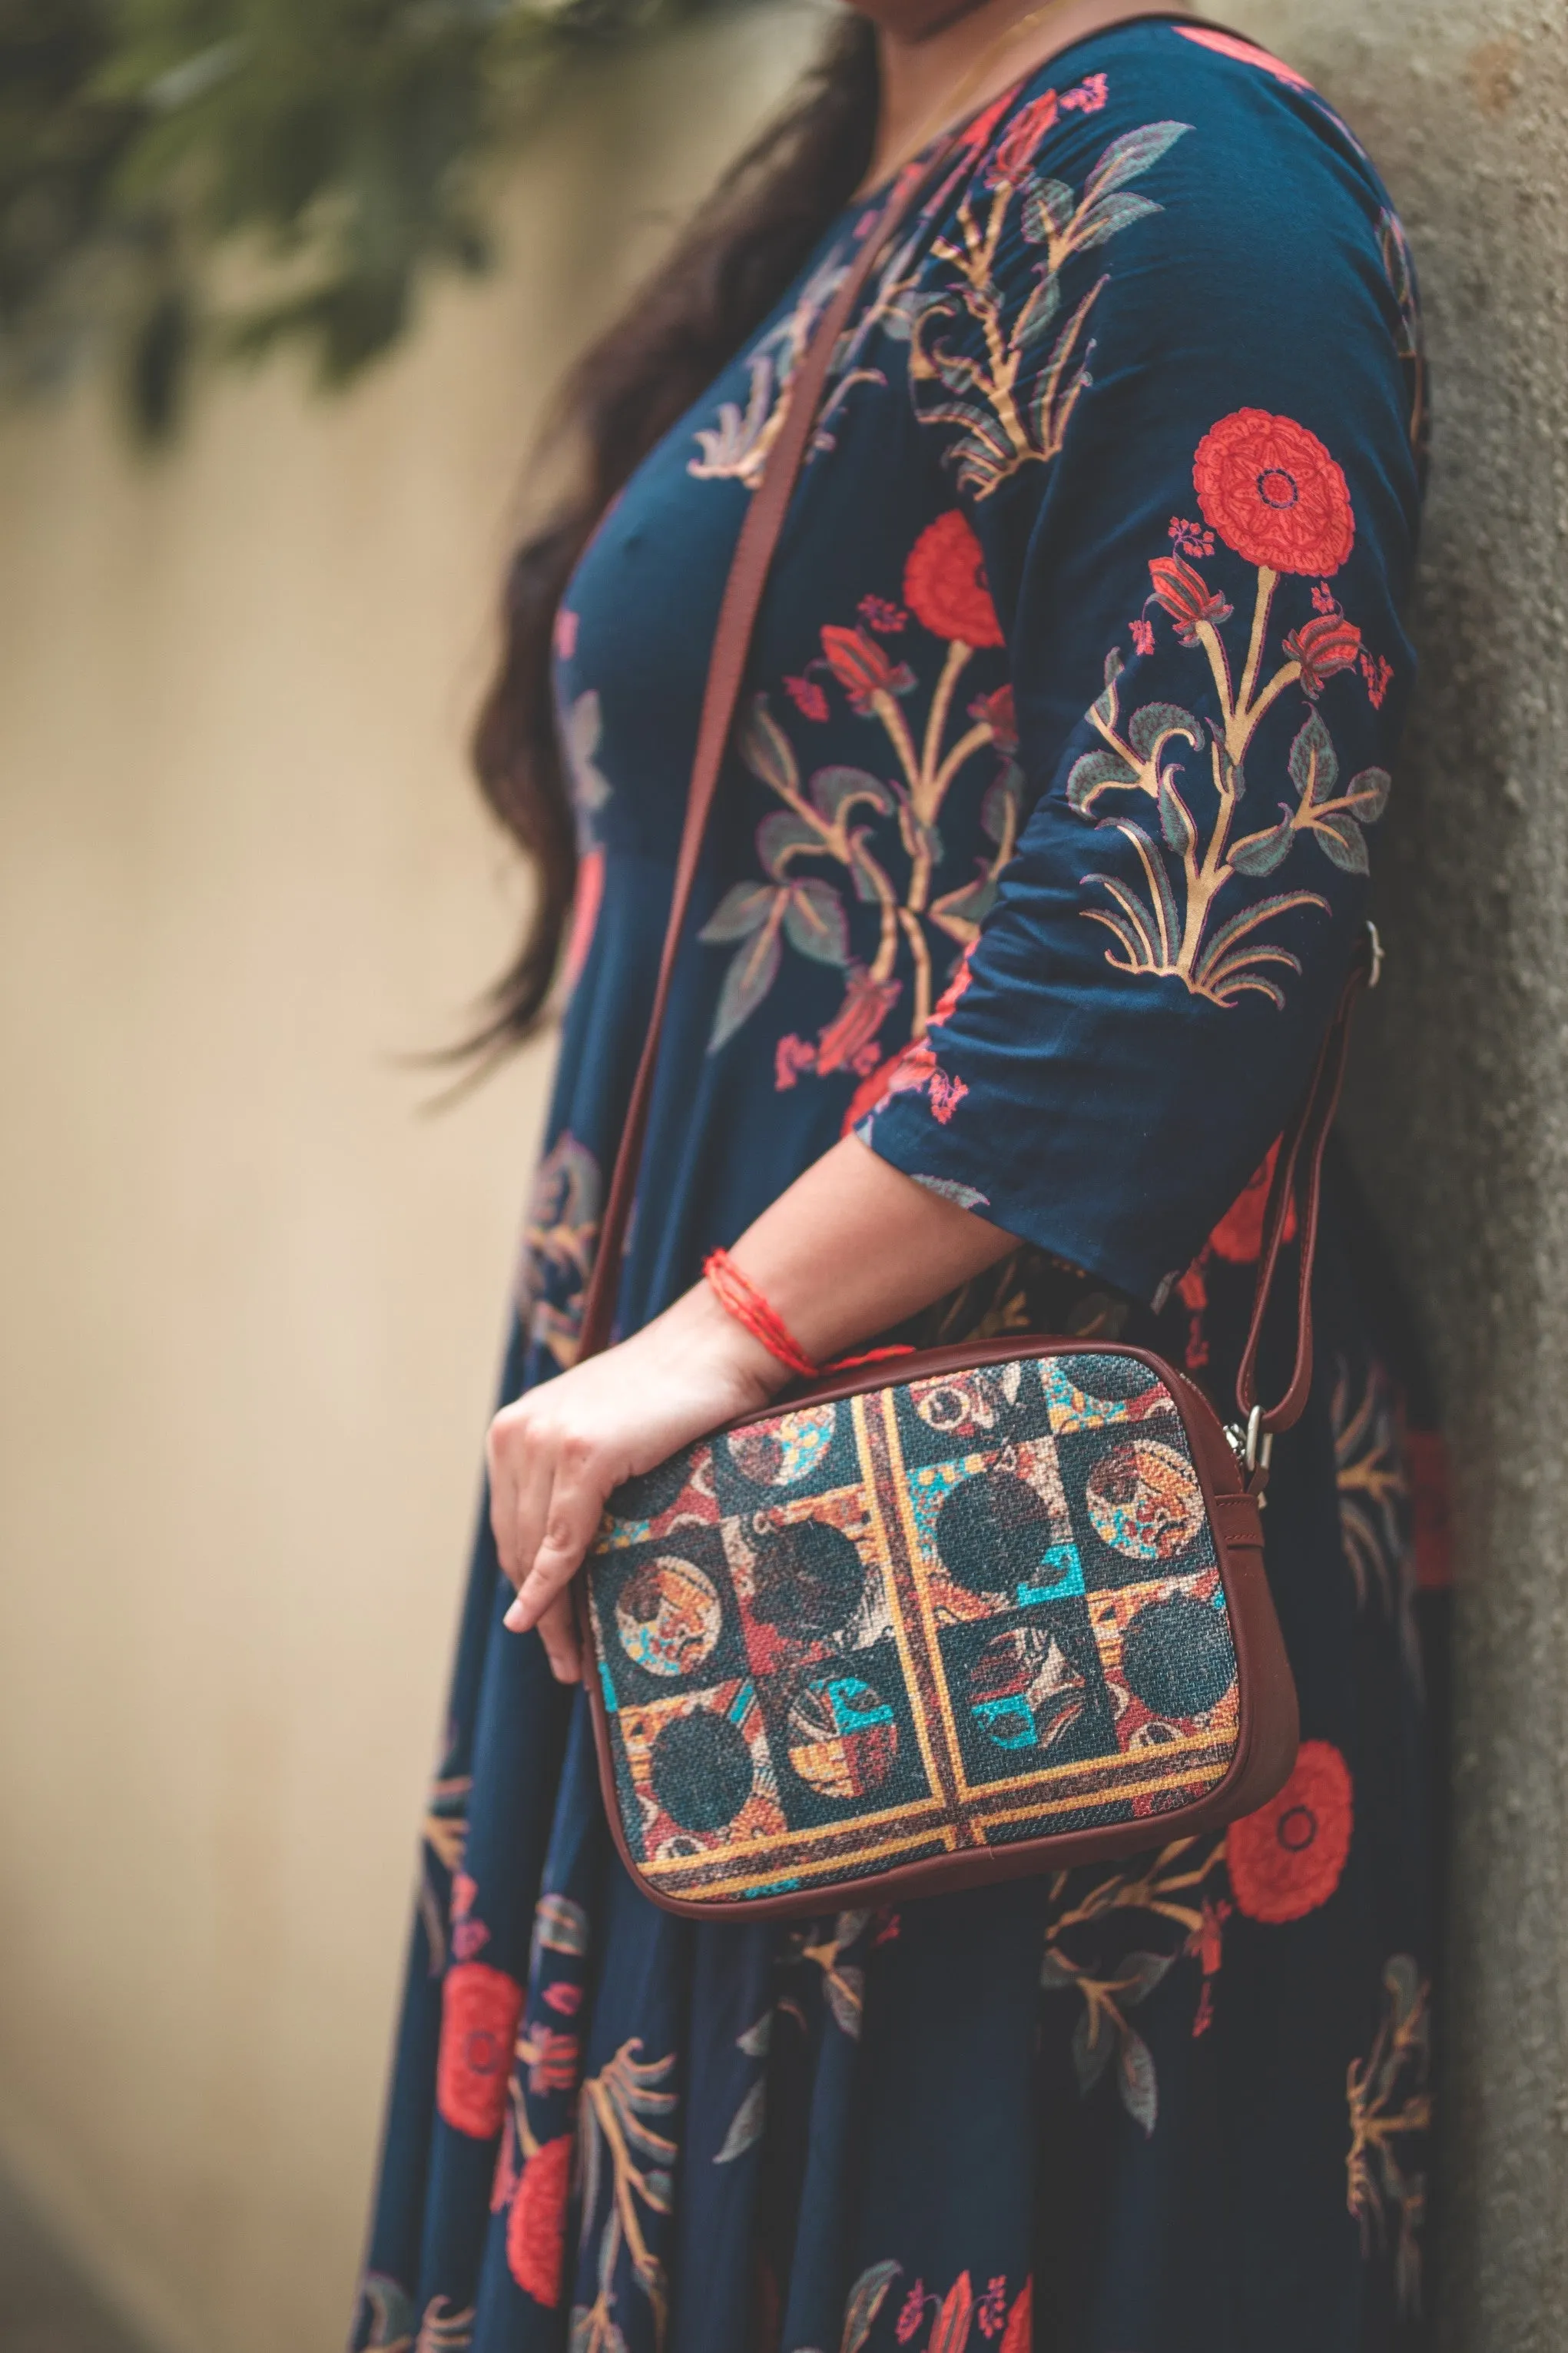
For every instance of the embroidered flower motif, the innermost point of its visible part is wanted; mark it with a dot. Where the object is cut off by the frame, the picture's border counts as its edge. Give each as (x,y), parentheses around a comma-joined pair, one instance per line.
(479,2011)
(997,712)
(861,667)
(1015,150)
(536,2226)
(1090,97)
(1274,494)
(888,619)
(807,697)
(1379,677)
(1187,596)
(1245,53)
(1326,643)
(945,585)
(1142,634)
(563,1996)
(553,2066)
(1286,1859)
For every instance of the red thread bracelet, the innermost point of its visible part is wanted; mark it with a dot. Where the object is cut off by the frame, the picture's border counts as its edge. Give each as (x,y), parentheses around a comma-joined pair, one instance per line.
(738,1296)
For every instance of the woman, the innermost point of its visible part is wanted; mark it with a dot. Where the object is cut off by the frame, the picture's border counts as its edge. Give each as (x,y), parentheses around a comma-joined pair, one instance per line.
(1034,874)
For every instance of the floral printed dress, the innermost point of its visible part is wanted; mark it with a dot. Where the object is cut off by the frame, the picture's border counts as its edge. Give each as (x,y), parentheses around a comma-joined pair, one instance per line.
(1038,863)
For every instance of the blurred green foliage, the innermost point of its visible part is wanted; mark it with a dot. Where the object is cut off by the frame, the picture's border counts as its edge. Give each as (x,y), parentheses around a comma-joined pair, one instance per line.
(344,144)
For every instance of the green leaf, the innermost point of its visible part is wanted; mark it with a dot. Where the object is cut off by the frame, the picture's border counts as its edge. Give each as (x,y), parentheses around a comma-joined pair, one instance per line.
(1004,797)
(831,787)
(780,833)
(1127,157)
(1048,210)
(560,1926)
(816,923)
(1136,2080)
(1092,2057)
(745,2125)
(846,1990)
(1314,764)
(1140,1973)
(1105,706)
(865,2299)
(1341,839)
(743,910)
(1104,220)
(765,748)
(1148,727)
(1176,827)
(752,972)
(1037,312)
(1368,794)
(1095,773)
(755,2040)
(1260,853)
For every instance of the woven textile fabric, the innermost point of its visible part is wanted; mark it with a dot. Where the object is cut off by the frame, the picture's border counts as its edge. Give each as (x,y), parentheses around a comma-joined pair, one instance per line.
(946,1614)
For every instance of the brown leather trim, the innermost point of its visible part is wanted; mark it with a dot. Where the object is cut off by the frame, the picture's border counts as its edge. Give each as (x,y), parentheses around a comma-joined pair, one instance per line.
(1268,1730)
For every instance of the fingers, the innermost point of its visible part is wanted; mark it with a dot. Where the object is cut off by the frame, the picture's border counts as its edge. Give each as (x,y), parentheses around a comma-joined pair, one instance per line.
(576,1503)
(558,1632)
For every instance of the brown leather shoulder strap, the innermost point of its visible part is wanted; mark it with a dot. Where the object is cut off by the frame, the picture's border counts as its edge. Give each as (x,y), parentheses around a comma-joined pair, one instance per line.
(731,643)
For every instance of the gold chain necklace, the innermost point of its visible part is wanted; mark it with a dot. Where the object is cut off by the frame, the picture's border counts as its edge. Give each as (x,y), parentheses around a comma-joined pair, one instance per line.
(950,107)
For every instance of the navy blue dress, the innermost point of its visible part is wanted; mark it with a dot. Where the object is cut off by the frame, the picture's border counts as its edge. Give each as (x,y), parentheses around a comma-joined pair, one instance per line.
(1040,857)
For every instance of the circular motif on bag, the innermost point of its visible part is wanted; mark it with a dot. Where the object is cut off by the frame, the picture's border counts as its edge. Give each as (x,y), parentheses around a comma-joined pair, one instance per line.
(806,1578)
(668,1616)
(778,1452)
(842,1735)
(701,1770)
(1177,1657)
(1145,1500)
(992,1531)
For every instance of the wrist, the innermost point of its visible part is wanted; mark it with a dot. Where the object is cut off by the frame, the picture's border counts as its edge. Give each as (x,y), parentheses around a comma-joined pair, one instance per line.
(705,1327)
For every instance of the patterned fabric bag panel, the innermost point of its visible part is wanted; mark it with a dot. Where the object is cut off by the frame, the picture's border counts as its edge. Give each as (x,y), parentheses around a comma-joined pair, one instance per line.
(970,1610)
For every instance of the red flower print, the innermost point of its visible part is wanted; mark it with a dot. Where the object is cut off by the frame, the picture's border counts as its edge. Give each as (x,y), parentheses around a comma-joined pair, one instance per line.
(1286,1859)
(536,2227)
(991,2312)
(1187,596)
(1326,643)
(1238,1237)
(944,584)
(997,712)
(1324,600)
(807,697)
(554,2067)
(1015,148)
(792,1055)
(912,2313)
(1207,1942)
(1274,494)
(1190,537)
(468,1937)
(563,1996)
(565,634)
(879,615)
(867,1005)
(1379,677)
(1019,2334)
(962,976)
(479,2010)
(1090,97)
(464,1894)
(1143,637)
(861,667)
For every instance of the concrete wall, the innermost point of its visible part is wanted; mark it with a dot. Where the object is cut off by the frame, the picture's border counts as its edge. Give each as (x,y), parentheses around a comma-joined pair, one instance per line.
(1462,1105)
(251,1301)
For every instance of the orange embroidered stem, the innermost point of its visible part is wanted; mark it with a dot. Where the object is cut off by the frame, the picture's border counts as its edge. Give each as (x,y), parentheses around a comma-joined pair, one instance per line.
(740,1297)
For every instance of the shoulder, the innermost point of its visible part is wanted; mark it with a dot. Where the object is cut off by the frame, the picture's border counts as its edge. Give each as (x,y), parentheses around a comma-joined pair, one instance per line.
(1180,146)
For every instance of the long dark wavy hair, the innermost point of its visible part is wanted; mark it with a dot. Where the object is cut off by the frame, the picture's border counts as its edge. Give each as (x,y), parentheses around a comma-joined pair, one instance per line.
(734,260)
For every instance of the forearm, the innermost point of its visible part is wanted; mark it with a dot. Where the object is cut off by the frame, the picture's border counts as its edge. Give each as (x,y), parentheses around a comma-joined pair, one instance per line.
(853,1246)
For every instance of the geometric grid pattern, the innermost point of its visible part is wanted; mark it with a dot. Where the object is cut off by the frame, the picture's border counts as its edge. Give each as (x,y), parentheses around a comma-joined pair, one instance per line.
(945,1614)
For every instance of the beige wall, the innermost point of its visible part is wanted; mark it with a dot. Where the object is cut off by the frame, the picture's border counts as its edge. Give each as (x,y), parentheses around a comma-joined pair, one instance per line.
(252,1301)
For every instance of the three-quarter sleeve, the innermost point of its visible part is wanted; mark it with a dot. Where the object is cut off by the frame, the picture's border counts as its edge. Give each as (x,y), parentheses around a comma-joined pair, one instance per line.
(1193,483)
